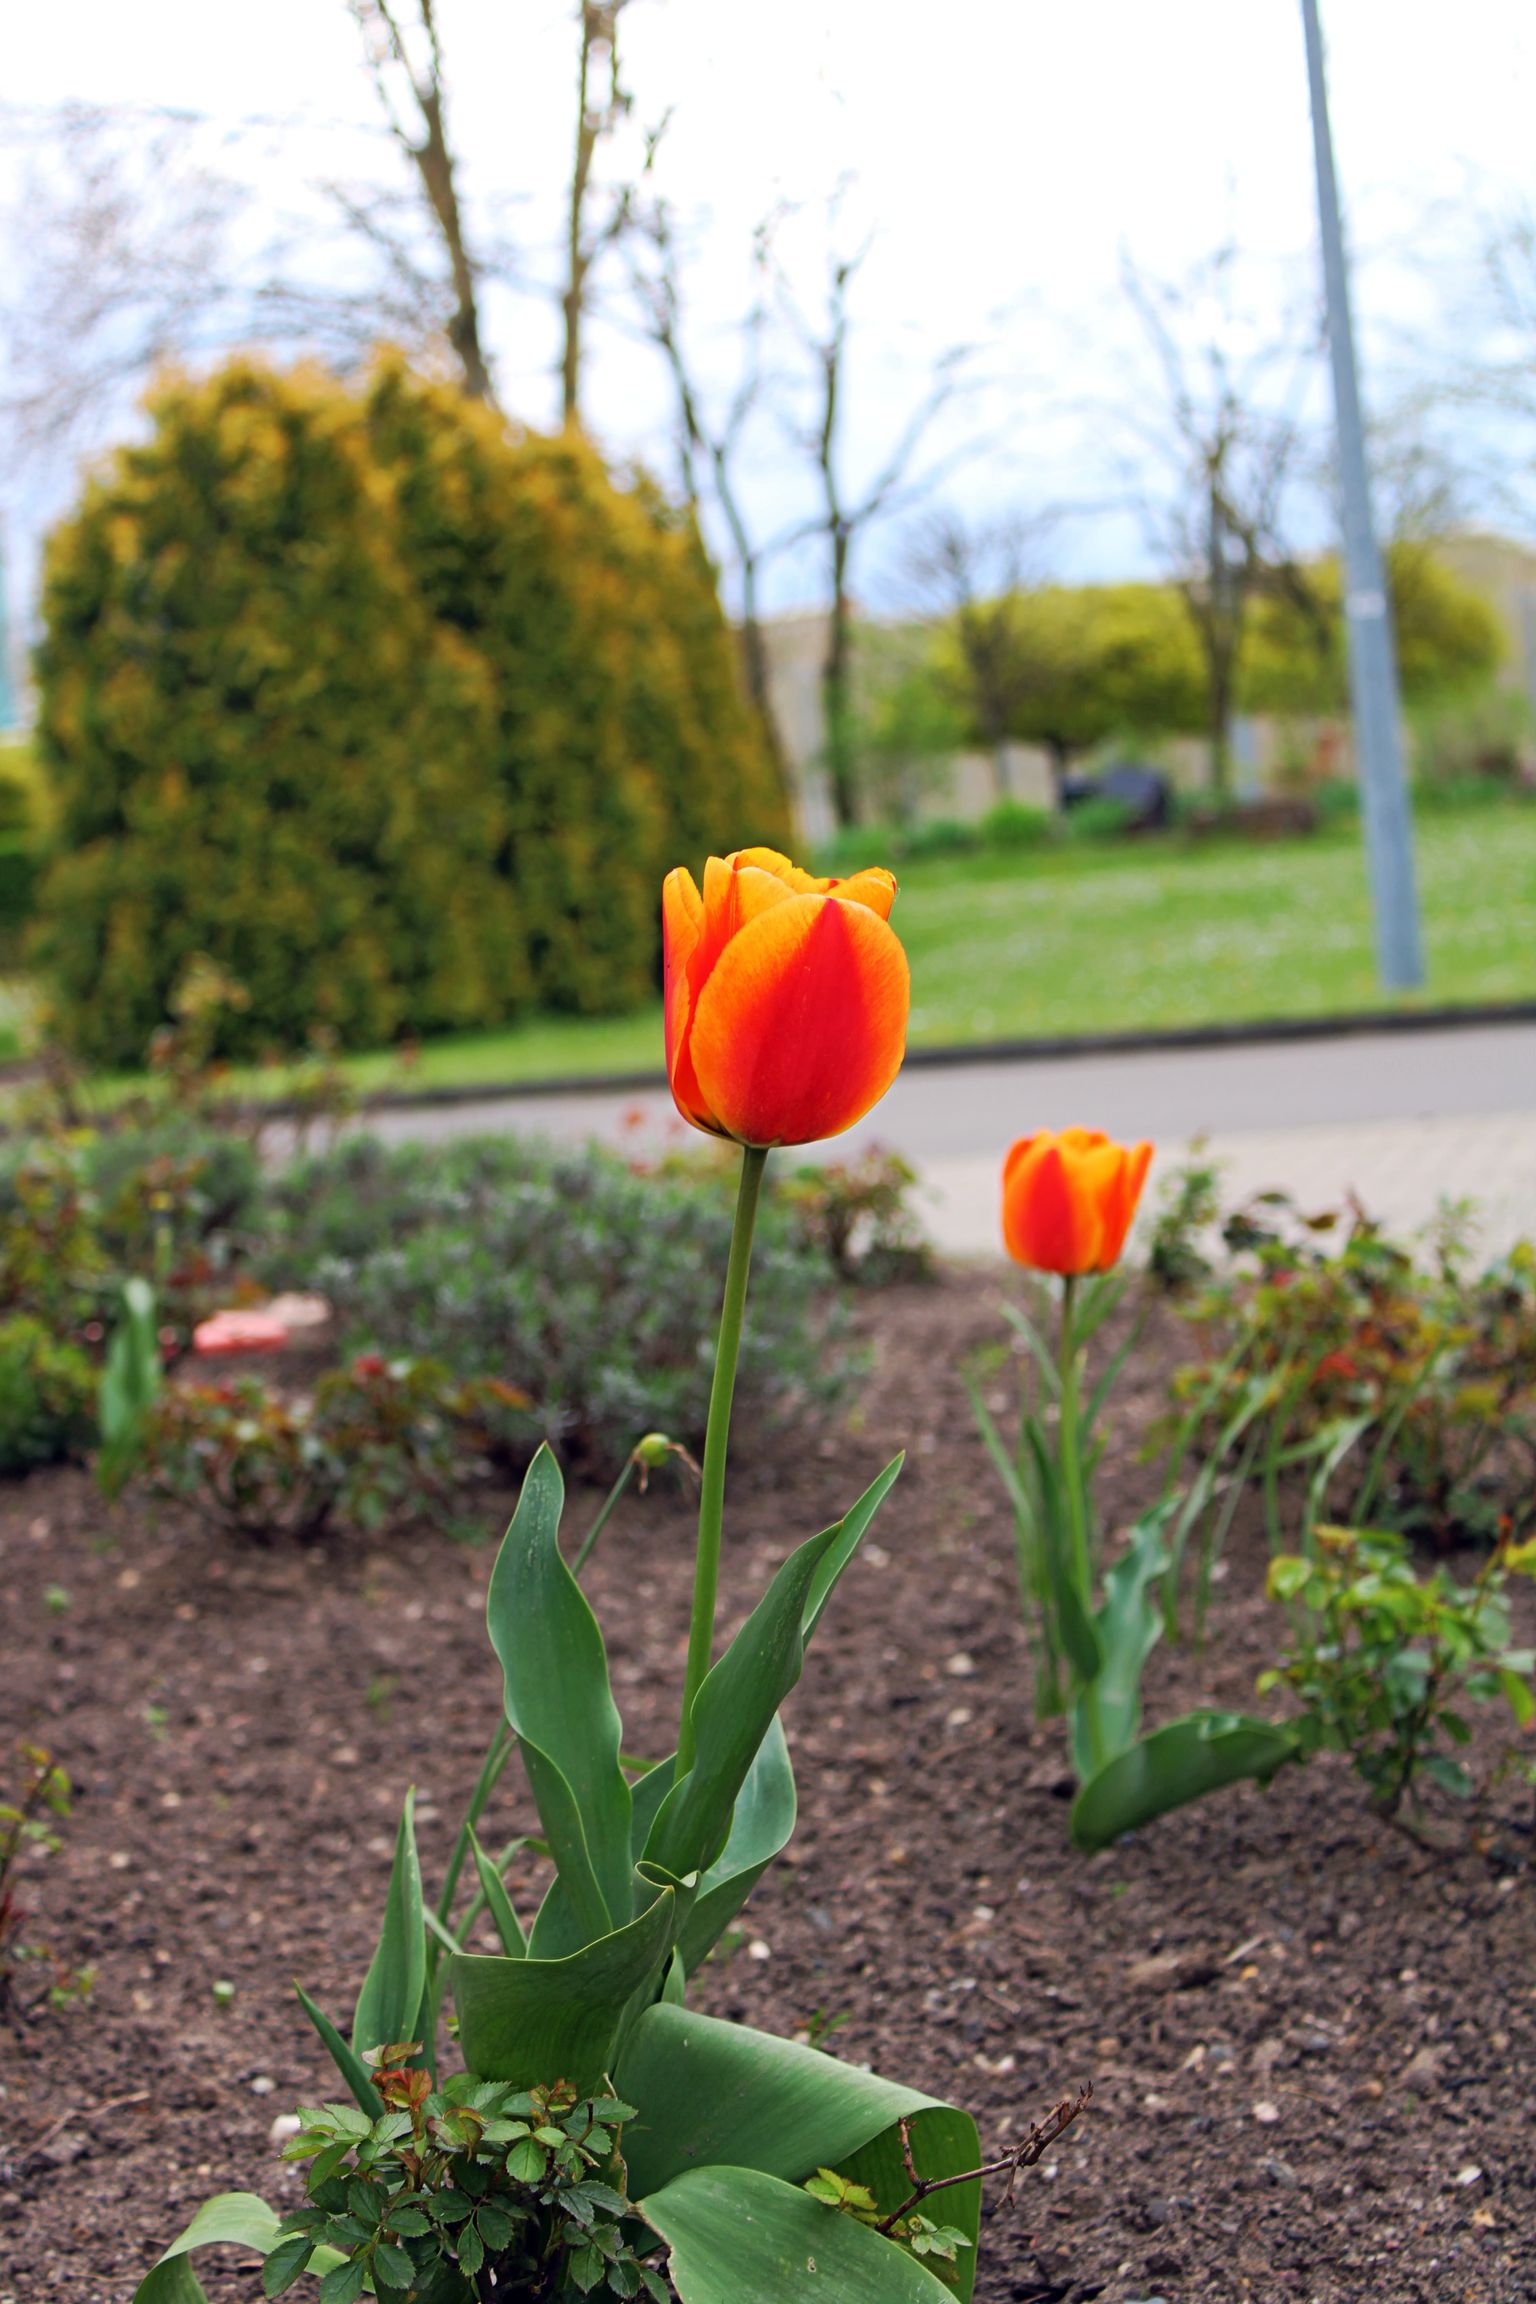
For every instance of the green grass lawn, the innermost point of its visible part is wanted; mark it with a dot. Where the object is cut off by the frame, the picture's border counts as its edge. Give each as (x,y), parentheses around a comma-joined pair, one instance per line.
(1127,938)
(1121,938)
(1113,939)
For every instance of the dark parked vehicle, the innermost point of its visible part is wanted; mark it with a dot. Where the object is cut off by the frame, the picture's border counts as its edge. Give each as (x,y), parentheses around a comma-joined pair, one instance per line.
(1144,793)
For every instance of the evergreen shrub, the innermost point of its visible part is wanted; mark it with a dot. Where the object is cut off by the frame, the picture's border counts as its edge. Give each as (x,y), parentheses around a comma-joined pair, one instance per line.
(393,716)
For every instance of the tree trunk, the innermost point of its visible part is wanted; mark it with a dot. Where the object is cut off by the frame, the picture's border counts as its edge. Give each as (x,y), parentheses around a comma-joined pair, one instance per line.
(1221,729)
(836,692)
(572,303)
(435,163)
(754,658)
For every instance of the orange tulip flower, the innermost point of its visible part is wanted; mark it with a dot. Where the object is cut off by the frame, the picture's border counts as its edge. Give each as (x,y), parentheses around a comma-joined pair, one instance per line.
(786,997)
(1068,1200)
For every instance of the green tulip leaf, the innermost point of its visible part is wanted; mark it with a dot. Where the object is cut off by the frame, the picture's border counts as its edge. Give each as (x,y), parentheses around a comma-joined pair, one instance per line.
(232,2220)
(1129,1624)
(722,2096)
(498,1903)
(1200,1753)
(848,1535)
(647,1796)
(522,2021)
(346,2060)
(739,2237)
(761,1824)
(389,2004)
(735,1707)
(560,1706)
(1076,1629)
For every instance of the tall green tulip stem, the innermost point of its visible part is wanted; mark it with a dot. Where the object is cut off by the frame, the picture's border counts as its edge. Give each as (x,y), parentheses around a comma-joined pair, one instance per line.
(1073,1480)
(706,1573)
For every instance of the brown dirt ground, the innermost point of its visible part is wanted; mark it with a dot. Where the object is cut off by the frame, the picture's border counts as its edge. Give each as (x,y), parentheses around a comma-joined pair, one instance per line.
(1310,2041)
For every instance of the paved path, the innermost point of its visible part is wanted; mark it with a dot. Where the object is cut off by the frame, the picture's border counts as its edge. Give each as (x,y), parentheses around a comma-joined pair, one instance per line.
(1402,1119)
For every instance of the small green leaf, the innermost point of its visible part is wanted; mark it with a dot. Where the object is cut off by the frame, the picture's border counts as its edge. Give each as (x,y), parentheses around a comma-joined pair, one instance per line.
(393,2264)
(283,2266)
(494,2226)
(449,2207)
(409,2221)
(328,2161)
(343,2284)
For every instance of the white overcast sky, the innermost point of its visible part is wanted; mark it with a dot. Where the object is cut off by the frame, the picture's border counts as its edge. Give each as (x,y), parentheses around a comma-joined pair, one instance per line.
(1004,150)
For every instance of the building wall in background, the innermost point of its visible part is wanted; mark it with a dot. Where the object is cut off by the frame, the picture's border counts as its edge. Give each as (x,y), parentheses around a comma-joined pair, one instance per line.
(1271,755)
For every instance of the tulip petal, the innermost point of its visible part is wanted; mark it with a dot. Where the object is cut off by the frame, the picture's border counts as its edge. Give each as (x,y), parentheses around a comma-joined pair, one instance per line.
(801,1024)
(875,887)
(1041,1213)
(682,925)
(1121,1213)
(1018,1152)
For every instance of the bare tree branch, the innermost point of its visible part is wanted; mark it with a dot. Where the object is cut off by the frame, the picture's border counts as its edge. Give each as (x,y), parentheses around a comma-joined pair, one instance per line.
(596,119)
(120,261)
(656,281)
(424,139)
(842,523)
(1230,439)
(975,573)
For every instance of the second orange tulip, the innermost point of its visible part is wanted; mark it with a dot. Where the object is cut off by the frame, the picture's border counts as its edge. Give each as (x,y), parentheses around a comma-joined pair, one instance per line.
(1068,1199)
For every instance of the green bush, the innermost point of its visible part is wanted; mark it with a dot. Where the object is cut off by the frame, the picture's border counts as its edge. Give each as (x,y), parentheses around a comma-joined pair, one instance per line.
(1336,799)
(47,1397)
(393,718)
(1466,743)
(376,1442)
(1014,824)
(18,893)
(1385,1658)
(1399,1386)
(561,1272)
(1098,818)
(83,1210)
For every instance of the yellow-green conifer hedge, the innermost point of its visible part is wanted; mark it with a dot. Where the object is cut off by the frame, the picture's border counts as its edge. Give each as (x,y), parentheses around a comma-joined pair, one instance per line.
(396,715)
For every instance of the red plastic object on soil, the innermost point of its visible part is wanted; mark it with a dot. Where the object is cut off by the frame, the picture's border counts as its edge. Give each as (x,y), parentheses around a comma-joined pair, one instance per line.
(239,1332)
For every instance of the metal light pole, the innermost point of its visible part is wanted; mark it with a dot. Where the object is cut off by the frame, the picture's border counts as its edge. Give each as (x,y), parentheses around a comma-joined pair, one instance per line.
(1372,655)
(7,691)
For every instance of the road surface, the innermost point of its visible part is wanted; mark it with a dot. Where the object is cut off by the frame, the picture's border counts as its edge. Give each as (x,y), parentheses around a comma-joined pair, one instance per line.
(1403,1119)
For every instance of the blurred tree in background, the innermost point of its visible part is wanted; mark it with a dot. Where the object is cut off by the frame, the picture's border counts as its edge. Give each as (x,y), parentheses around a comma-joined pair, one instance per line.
(394,715)
(1079,665)
(1449,639)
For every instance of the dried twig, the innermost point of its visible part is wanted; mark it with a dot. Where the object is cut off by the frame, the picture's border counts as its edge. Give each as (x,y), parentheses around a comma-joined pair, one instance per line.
(1042,2135)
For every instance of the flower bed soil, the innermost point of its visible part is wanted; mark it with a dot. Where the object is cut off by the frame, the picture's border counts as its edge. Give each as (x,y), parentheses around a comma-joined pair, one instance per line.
(1310,2042)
